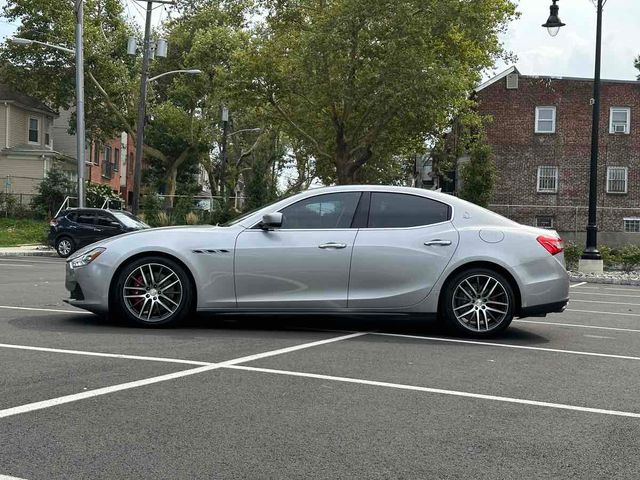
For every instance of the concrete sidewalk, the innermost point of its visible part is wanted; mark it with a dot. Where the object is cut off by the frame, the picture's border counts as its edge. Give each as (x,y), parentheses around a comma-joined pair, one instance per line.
(28,251)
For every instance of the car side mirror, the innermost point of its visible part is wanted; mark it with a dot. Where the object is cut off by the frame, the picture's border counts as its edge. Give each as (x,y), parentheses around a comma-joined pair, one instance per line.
(116,225)
(271,220)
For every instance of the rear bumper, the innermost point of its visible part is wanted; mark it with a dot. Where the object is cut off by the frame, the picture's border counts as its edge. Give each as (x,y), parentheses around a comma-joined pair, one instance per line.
(542,310)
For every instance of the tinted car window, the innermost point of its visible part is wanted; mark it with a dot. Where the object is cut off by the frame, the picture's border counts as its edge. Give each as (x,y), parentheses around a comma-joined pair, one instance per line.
(396,210)
(105,220)
(333,210)
(72,216)
(86,217)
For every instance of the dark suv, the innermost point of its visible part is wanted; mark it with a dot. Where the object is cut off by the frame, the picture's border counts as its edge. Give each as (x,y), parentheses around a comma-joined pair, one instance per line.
(74,228)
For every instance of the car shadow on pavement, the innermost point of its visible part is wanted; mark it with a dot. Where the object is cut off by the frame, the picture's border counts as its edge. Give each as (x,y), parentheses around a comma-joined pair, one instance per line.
(200,324)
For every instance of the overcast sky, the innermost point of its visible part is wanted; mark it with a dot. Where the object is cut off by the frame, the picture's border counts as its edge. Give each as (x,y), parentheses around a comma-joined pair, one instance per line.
(571,53)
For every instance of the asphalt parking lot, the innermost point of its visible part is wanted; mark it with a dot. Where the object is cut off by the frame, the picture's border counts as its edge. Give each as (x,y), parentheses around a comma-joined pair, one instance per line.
(265,397)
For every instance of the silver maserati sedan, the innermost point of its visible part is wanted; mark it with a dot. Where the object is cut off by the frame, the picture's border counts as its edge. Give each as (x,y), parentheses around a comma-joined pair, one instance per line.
(347,249)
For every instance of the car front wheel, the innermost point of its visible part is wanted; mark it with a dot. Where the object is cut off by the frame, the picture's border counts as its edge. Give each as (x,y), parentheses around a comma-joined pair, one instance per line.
(479,302)
(153,291)
(64,246)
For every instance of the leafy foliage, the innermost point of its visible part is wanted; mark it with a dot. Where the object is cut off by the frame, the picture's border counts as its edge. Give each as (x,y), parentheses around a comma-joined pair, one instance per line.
(97,193)
(478,175)
(52,191)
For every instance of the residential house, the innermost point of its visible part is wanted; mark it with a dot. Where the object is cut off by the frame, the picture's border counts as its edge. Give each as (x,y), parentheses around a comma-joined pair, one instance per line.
(540,132)
(26,143)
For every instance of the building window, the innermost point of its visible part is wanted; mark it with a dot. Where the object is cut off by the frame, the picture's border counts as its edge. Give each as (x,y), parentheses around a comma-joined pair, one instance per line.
(116,159)
(617,179)
(107,166)
(544,221)
(96,153)
(632,225)
(547,179)
(619,120)
(34,130)
(545,119)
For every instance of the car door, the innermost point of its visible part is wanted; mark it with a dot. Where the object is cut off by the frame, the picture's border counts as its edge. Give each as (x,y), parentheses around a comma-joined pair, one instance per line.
(83,228)
(302,264)
(408,242)
(107,225)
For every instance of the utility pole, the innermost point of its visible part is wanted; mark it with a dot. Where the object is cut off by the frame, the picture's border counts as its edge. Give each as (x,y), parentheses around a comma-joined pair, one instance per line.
(223,153)
(80,127)
(137,169)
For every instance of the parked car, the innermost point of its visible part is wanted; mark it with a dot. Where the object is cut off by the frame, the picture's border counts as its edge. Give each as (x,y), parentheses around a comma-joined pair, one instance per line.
(77,227)
(348,249)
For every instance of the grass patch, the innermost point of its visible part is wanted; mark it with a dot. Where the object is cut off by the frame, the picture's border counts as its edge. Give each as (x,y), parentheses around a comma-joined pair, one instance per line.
(21,232)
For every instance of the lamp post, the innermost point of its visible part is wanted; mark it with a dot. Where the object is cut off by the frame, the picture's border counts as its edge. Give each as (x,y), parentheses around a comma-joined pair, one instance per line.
(80,126)
(591,260)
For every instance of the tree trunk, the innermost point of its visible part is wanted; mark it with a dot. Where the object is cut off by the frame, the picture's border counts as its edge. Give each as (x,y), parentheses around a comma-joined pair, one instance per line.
(171,184)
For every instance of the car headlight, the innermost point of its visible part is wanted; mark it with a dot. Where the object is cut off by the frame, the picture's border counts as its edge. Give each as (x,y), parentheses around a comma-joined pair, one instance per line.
(86,258)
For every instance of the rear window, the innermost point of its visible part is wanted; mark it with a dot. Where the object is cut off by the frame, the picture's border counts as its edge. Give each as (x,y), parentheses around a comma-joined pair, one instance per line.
(398,210)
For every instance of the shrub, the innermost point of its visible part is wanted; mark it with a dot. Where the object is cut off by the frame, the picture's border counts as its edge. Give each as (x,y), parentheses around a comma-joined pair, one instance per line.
(629,257)
(162,219)
(192,218)
(572,254)
(97,193)
(151,207)
(51,192)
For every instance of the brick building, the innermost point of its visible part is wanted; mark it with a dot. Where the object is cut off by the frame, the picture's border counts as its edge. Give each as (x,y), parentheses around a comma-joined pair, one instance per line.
(541,136)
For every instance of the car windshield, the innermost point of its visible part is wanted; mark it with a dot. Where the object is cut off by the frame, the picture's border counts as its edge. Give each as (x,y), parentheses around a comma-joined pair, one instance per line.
(129,220)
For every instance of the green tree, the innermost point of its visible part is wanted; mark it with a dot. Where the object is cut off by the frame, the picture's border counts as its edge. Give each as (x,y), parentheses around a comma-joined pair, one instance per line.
(359,81)
(97,193)
(52,191)
(478,175)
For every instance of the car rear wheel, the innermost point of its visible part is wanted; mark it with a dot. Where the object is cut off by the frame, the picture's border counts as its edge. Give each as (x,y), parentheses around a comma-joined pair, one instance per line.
(64,246)
(479,302)
(153,292)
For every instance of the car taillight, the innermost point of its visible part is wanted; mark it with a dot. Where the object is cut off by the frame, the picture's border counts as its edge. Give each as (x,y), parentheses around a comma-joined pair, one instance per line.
(553,245)
(53,223)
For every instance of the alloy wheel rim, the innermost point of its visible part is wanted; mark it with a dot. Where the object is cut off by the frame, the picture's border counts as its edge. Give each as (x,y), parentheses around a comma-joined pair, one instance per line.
(480,303)
(64,247)
(152,292)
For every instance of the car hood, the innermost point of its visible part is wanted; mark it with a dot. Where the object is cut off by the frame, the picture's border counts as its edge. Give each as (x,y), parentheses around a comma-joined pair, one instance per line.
(148,231)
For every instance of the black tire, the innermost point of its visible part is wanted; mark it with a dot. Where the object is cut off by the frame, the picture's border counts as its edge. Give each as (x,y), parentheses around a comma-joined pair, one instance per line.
(65,246)
(464,294)
(158,314)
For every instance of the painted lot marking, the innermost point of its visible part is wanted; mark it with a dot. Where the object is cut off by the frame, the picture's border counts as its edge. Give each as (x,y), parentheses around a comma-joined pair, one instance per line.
(607,294)
(576,325)
(15,265)
(163,378)
(603,302)
(603,313)
(100,354)
(599,336)
(54,310)
(577,284)
(7,477)
(440,391)
(507,345)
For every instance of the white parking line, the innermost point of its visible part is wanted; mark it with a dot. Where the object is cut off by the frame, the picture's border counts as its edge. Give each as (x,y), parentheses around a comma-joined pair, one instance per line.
(15,265)
(606,294)
(603,313)
(100,354)
(163,378)
(55,310)
(577,284)
(7,477)
(440,391)
(606,303)
(540,322)
(508,345)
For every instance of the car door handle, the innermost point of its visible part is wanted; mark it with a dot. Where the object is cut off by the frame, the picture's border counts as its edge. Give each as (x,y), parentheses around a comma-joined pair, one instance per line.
(332,245)
(437,242)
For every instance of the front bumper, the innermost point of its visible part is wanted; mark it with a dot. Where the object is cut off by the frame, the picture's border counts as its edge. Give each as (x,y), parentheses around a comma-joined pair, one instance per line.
(88,287)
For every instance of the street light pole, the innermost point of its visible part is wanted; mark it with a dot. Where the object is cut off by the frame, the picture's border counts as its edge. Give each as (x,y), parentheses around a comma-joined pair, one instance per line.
(137,170)
(591,260)
(591,251)
(80,127)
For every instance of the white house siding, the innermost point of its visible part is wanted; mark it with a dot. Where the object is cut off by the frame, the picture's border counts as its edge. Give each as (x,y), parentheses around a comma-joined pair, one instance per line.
(25,173)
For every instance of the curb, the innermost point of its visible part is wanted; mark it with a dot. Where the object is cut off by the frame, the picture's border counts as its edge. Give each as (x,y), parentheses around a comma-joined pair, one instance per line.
(36,253)
(605,280)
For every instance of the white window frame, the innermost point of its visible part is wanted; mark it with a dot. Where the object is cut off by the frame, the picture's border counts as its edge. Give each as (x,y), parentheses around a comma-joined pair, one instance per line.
(630,219)
(539,177)
(29,130)
(553,119)
(627,110)
(550,227)
(626,179)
